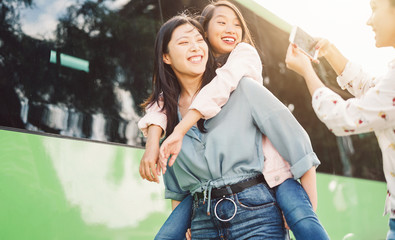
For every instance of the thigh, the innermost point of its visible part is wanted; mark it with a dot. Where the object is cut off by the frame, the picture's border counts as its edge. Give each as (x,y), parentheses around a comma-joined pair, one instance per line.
(298,211)
(178,222)
(202,225)
(291,195)
(258,216)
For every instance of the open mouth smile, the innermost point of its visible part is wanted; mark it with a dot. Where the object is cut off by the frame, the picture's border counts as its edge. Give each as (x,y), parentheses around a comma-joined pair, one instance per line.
(195,59)
(229,40)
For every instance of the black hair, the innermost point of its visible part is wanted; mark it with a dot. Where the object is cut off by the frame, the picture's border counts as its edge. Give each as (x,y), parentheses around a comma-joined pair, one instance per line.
(164,81)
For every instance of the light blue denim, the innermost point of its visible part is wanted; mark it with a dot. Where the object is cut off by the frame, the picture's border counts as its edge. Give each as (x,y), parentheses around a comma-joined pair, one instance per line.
(391,232)
(298,211)
(178,222)
(257,216)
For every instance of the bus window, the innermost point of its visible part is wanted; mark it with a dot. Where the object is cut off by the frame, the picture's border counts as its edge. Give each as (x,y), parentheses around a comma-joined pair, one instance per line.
(78,71)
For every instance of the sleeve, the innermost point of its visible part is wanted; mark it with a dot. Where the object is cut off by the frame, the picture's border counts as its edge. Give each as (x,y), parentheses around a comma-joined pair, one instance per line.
(154,115)
(375,110)
(286,134)
(172,188)
(355,80)
(243,61)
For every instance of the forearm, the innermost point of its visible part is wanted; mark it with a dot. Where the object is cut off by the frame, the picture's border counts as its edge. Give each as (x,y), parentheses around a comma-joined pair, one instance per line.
(336,59)
(312,80)
(308,181)
(244,61)
(190,119)
(148,165)
(154,132)
(174,204)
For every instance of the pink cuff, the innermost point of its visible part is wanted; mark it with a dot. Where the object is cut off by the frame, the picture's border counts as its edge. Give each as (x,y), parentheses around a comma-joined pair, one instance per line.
(153,118)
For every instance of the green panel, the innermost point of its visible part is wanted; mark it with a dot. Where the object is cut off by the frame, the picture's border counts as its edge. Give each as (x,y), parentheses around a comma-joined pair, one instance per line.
(60,188)
(73,62)
(57,188)
(351,208)
(265,14)
(52,57)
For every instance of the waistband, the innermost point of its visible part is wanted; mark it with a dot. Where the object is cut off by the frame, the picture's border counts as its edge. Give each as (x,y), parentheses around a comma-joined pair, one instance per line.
(232,189)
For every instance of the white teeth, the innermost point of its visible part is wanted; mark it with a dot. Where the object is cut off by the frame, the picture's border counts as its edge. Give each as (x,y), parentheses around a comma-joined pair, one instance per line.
(228,39)
(195,59)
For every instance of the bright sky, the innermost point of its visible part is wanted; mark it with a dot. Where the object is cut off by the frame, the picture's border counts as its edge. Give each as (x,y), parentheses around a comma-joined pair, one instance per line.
(41,19)
(343,22)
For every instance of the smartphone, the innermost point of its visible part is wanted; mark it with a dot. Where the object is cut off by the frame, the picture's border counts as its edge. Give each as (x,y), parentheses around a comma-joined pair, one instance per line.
(304,42)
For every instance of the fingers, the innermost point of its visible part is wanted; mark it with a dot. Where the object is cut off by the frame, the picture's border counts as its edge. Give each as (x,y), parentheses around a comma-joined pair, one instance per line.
(289,56)
(163,151)
(142,174)
(172,159)
(148,175)
(149,170)
(292,49)
(285,223)
(158,169)
(188,234)
(323,46)
(153,173)
(322,43)
(163,163)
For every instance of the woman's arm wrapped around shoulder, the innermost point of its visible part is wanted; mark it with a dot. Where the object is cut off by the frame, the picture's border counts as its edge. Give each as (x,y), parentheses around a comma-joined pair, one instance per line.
(244,61)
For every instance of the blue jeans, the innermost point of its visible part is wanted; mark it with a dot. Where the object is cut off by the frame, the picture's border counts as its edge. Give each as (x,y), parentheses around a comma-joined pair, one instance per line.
(298,211)
(391,232)
(178,222)
(257,216)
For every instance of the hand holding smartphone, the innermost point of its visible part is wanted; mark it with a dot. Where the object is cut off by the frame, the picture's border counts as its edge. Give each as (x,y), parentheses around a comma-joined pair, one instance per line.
(304,41)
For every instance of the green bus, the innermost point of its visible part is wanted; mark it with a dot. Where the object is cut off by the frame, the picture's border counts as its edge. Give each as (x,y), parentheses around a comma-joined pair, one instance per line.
(72,76)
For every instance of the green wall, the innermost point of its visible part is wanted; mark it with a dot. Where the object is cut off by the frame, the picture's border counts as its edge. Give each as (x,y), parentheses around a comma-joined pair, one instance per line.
(61,188)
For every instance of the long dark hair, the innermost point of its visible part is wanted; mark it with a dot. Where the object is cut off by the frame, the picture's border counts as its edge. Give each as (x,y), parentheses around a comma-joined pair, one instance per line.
(164,81)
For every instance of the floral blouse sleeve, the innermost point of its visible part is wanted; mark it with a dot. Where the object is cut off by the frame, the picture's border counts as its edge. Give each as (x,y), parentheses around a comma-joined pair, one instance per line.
(355,80)
(372,109)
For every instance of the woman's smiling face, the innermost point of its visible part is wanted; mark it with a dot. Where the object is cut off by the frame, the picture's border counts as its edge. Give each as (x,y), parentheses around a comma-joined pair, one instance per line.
(382,21)
(187,52)
(224,30)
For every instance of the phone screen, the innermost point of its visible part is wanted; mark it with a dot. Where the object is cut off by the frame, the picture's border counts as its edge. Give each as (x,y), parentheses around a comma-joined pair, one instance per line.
(304,41)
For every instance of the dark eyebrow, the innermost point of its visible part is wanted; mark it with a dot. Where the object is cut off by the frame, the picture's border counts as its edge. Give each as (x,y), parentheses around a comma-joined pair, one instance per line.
(220,15)
(181,38)
(224,16)
(184,36)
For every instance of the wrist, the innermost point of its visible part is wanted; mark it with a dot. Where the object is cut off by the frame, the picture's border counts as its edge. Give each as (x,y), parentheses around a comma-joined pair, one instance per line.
(331,52)
(152,144)
(307,71)
(180,130)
